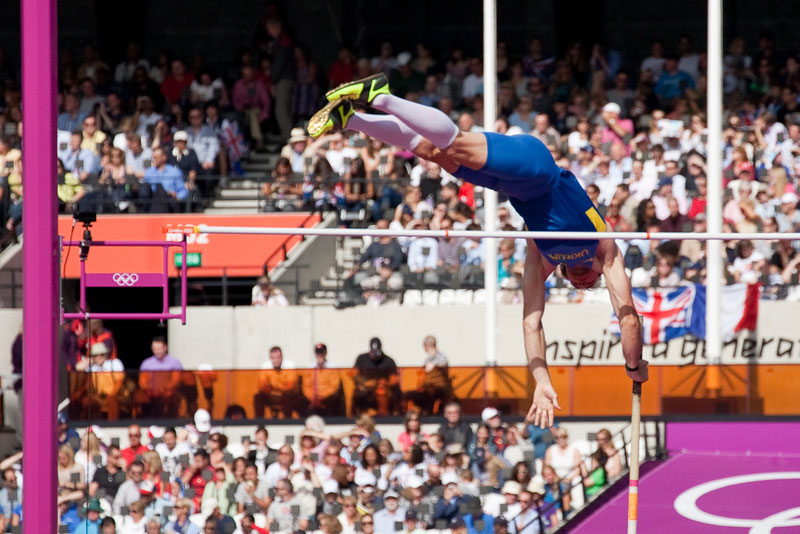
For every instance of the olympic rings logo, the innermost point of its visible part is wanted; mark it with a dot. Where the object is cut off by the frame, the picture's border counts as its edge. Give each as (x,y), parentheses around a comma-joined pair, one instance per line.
(125,279)
(686,504)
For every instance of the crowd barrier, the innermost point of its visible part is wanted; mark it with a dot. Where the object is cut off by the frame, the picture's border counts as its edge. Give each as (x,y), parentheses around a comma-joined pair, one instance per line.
(596,391)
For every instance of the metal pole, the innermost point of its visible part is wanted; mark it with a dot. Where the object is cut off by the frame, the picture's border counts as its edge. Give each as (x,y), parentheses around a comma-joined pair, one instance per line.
(633,476)
(40,282)
(714,265)
(490,196)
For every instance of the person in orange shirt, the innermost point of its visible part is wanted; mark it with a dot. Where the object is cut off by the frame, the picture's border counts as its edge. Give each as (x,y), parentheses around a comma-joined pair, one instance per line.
(322,386)
(278,388)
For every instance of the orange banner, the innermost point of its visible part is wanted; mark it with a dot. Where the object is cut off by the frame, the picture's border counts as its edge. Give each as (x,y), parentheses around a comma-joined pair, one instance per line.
(238,255)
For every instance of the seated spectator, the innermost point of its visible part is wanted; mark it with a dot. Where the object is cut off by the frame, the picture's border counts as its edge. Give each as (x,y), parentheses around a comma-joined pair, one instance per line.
(120,184)
(72,117)
(107,376)
(749,264)
(215,520)
(185,158)
(376,381)
(283,192)
(128,491)
(71,475)
(523,115)
(108,477)
(377,287)
(613,465)
(146,118)
(159,378)
(264,294)
(435,390)
(390,514)
(164,188)
(137,158)
(321,385)
(286,510)
(295,151)
(252,491)
(207,88)
(79,161)
(197,475)
(203,140)
(596,476)
(675,221)
(528,520)
(454,429)
(181,522)
(278,388)
(563,456)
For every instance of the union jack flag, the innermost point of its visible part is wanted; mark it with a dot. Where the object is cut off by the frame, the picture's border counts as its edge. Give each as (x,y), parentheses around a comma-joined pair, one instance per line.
(232,139)
(671,313)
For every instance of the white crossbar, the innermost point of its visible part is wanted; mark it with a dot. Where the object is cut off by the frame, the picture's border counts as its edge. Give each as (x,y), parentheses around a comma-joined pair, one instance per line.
(373,232)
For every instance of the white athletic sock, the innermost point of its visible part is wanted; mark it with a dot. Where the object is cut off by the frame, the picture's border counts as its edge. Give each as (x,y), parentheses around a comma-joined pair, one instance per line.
(429,122)
(386,128)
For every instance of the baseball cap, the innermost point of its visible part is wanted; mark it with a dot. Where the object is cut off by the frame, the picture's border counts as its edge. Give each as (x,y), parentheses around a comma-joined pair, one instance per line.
(375,344)
(449,478)
(789,198)
(664,181)
(612,107)
(414,481)
(511,487)
(320,347)
(147,487)
(587,148)
(411,515)
(454,449)
(99,348)
(488,413)
(391,494)
(180,135)
(330,486)
(365,478)
(403,58)
(202,420)
(208,506)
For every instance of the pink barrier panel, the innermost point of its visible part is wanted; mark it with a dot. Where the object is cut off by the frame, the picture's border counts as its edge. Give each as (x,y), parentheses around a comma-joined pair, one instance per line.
(124,279)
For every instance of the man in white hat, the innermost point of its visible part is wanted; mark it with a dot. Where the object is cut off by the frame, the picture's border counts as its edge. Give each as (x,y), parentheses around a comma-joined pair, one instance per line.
(789,217)
(295,150)
(614,128)
(504,503)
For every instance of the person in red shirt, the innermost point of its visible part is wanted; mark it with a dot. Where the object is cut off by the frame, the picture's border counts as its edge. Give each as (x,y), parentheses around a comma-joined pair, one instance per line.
(344,69)
(197,475)
(176,82)
(136,448)
(699,202)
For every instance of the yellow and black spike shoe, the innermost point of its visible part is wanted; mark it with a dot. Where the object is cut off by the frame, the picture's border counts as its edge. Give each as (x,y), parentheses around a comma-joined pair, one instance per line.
(332,118)
(362,91)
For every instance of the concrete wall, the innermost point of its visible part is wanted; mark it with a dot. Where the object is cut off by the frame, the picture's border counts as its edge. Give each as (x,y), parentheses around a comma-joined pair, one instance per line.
(240,338)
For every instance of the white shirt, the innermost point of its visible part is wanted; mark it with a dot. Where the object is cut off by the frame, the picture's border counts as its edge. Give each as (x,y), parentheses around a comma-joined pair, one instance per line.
(170,458)
(472,86)
(274,473)
(336,159)
(417,260)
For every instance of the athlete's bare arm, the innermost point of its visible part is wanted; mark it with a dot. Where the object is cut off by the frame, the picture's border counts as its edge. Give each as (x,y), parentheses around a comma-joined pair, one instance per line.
(545,400)
(619,290)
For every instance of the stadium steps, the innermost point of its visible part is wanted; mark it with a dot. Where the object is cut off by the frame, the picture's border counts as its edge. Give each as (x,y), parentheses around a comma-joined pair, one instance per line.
(11,276)
(240,194)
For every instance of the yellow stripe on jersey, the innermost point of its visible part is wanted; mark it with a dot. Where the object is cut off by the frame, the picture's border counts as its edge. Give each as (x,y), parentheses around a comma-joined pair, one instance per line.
(597,220)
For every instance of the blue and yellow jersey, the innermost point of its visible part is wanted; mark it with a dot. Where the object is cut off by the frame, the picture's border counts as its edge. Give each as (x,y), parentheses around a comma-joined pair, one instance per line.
(564,208)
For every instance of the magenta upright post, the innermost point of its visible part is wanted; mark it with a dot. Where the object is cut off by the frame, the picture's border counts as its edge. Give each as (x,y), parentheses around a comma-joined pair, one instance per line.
(40,297)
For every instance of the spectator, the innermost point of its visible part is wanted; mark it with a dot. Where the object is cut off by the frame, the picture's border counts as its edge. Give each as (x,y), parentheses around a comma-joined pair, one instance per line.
(92,137)
(286,510)
(128,492)
(109,526)
(266,295)
(789,216)
(321,386)
(260,452)
(79,161)
(454,429)
(279,470)
(527,521)
(159,378)
(175,86)
(203,140)
(10,494)
(207,88)
(181,522)
(672,83)
(197,475)
(562,456)
(613,465)
(137,158)
(146,117)
(543,131)
(216,522)
(185,158)
(282,72)
(596,476)
(106,376)
(164,186)
(171,451)
(252,491)
(70,474)
(71,118)
(386,518)
(279,387)
(615,129)
(404,79)
(749,264)
(376,382)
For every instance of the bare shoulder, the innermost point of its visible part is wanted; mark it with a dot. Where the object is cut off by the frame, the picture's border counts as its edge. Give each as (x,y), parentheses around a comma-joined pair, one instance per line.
(607,251)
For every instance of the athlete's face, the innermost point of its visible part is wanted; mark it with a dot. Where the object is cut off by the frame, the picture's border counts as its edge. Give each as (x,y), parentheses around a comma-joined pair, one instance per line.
(582,277)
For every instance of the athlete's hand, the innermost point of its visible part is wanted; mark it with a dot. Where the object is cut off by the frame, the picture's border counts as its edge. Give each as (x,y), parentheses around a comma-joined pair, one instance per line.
(545,401)
(640,374)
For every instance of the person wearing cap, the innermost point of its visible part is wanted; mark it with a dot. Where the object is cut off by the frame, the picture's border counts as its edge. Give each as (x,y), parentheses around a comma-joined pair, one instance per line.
(377,383)
(215,521)
(104,381)
(614,128)
(447,507)
(366,500)
(789,216)
(185,158)
(476,520)
(405,79)
(322,386)
(91,524)
(295,150)
(390,514)
(266,295)
(412,523)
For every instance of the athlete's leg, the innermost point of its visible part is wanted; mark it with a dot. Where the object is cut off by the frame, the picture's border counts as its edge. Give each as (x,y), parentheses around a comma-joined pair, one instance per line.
(386,128)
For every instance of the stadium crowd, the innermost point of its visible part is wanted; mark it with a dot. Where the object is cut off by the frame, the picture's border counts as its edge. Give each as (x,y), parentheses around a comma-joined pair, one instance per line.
(493,477)
(155,135)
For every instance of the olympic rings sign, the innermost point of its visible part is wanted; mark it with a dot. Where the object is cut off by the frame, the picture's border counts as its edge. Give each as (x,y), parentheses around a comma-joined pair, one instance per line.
(686,504)
(125,279)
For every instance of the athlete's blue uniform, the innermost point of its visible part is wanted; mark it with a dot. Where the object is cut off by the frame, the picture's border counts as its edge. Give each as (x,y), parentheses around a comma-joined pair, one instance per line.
(547,197)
